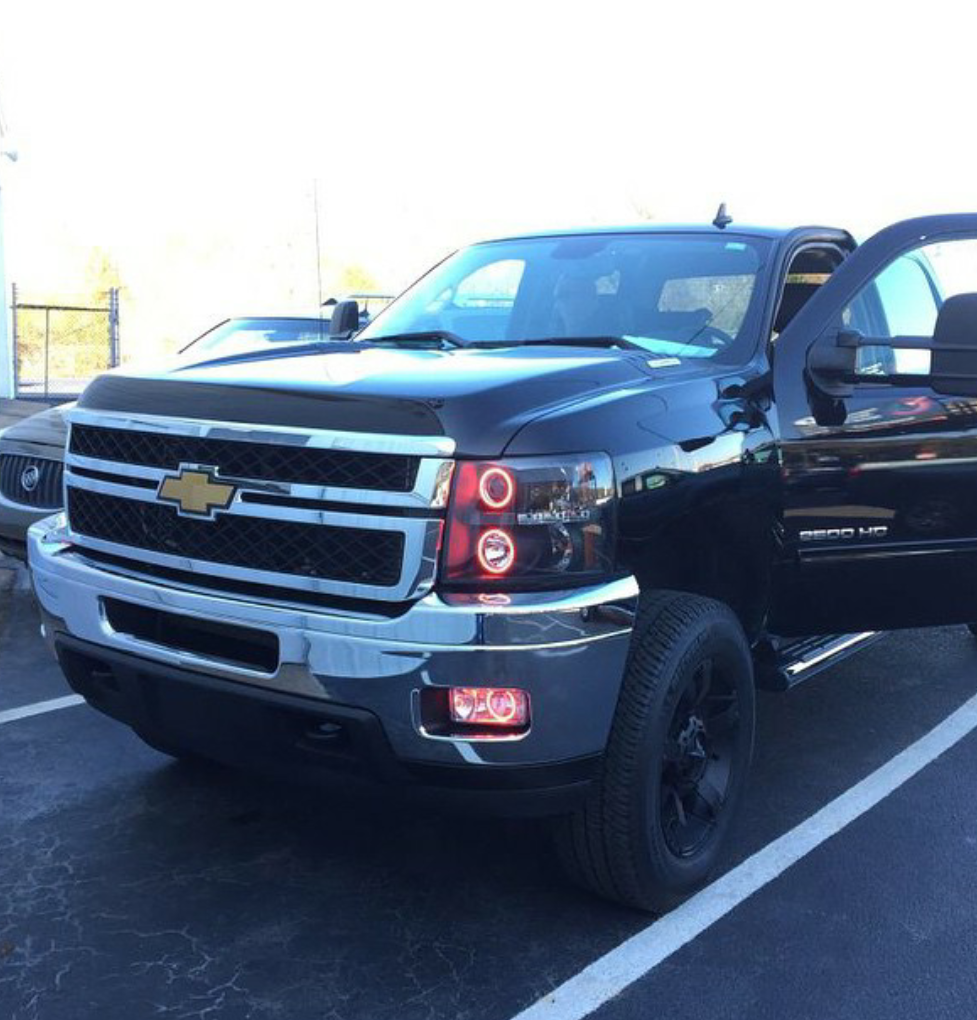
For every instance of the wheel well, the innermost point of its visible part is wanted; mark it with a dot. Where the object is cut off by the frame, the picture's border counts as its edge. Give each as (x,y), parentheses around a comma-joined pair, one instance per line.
(725,554)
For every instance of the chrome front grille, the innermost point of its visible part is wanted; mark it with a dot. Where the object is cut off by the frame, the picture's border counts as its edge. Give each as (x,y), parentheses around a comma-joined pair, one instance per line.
(359,555)
(353,515)
(271,462)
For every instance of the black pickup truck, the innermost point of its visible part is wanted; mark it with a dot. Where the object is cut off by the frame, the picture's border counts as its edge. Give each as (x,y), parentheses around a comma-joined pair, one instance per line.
(534,536)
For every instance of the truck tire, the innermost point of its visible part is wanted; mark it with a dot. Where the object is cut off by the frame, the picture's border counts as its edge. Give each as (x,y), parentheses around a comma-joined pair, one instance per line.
(655,824)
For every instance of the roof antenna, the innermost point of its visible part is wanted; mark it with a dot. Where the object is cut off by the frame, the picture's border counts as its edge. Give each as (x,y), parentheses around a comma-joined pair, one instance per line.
(723,219)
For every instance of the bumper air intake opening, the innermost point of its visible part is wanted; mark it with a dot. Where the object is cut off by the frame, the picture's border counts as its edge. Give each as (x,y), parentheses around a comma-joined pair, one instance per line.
(230,643)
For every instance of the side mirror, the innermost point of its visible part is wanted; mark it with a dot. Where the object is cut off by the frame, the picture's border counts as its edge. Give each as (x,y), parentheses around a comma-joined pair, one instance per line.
(832,367)
(345,320)
(954,367)
(832,364)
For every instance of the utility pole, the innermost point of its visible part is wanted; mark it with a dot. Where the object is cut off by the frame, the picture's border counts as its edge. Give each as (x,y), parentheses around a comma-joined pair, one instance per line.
(6,338)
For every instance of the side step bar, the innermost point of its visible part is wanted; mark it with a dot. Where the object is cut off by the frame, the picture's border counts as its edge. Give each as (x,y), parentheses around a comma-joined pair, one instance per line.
(783,667)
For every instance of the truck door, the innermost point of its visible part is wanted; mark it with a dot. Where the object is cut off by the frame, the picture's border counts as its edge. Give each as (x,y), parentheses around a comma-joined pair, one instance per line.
(875,383)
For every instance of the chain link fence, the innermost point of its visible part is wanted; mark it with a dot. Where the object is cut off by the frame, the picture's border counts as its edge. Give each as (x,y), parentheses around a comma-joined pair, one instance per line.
(58,349)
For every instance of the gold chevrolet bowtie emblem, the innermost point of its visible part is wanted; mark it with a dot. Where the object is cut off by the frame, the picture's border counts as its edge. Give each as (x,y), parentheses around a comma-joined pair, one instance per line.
(195,492)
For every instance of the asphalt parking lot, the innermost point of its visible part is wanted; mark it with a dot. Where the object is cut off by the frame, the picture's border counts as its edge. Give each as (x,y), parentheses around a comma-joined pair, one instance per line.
(134,887)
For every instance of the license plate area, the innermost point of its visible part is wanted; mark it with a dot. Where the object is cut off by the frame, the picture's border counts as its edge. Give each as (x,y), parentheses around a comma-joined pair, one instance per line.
(211,639)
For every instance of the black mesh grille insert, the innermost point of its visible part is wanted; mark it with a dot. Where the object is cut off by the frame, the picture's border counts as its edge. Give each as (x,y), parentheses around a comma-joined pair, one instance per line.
(353,555)
(299,465)
(31,481)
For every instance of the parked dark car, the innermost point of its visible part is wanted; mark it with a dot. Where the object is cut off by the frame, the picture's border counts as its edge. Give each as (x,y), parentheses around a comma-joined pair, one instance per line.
(31,454)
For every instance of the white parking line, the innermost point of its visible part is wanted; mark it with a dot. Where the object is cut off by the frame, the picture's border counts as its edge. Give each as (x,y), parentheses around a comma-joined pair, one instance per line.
(39,708)
(621,967)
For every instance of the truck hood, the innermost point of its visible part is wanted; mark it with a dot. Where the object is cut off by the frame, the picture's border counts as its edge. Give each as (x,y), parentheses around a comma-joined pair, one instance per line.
(480,398)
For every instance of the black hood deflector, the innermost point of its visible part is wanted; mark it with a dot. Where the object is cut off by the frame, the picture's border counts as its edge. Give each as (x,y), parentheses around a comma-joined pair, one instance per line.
(259,405)
(480,398)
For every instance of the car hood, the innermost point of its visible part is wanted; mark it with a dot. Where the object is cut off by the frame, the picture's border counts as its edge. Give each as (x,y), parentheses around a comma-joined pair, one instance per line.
(46,428)
(479,398)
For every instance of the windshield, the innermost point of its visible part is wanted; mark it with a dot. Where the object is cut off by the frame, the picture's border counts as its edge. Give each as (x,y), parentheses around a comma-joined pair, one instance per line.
(675,295)
(241,336)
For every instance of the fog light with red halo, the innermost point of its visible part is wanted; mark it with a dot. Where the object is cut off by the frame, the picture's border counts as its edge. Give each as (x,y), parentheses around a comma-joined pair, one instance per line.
(489,706)
(496,551)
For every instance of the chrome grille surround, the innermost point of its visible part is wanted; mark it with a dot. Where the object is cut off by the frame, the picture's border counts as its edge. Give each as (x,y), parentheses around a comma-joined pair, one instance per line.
(417,514)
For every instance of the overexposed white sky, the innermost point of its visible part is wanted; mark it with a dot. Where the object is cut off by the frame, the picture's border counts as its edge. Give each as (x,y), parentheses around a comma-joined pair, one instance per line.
(183,138)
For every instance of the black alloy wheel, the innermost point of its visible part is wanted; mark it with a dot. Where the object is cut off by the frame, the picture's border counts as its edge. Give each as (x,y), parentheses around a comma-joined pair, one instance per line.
(698,759)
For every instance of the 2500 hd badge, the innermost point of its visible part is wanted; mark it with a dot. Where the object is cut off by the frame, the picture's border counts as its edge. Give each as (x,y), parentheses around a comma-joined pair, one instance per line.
(534,536)
(843,534)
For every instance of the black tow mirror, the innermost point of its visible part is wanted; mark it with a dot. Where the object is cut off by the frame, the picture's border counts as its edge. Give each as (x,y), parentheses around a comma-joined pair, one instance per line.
(954,367)
(345,320)
(832,364)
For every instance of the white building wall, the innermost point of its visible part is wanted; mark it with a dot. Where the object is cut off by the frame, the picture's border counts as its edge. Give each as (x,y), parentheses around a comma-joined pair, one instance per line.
(6,332)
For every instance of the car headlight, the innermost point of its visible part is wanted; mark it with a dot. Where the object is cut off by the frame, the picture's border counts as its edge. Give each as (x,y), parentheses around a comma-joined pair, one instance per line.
(532,521)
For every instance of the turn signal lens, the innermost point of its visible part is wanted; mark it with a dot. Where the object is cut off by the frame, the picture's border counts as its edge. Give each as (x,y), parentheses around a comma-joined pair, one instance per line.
(489,706)
(496,551)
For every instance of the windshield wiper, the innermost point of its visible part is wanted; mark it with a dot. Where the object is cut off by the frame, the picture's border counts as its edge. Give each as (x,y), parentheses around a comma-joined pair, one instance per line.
(578,341)
(443,337)
(423,338)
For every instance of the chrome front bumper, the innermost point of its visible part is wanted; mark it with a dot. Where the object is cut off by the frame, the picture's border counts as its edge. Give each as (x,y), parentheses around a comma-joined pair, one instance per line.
(567,649)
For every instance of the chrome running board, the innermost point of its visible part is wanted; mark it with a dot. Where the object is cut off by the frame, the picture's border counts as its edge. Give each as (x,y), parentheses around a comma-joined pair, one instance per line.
(783,667)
